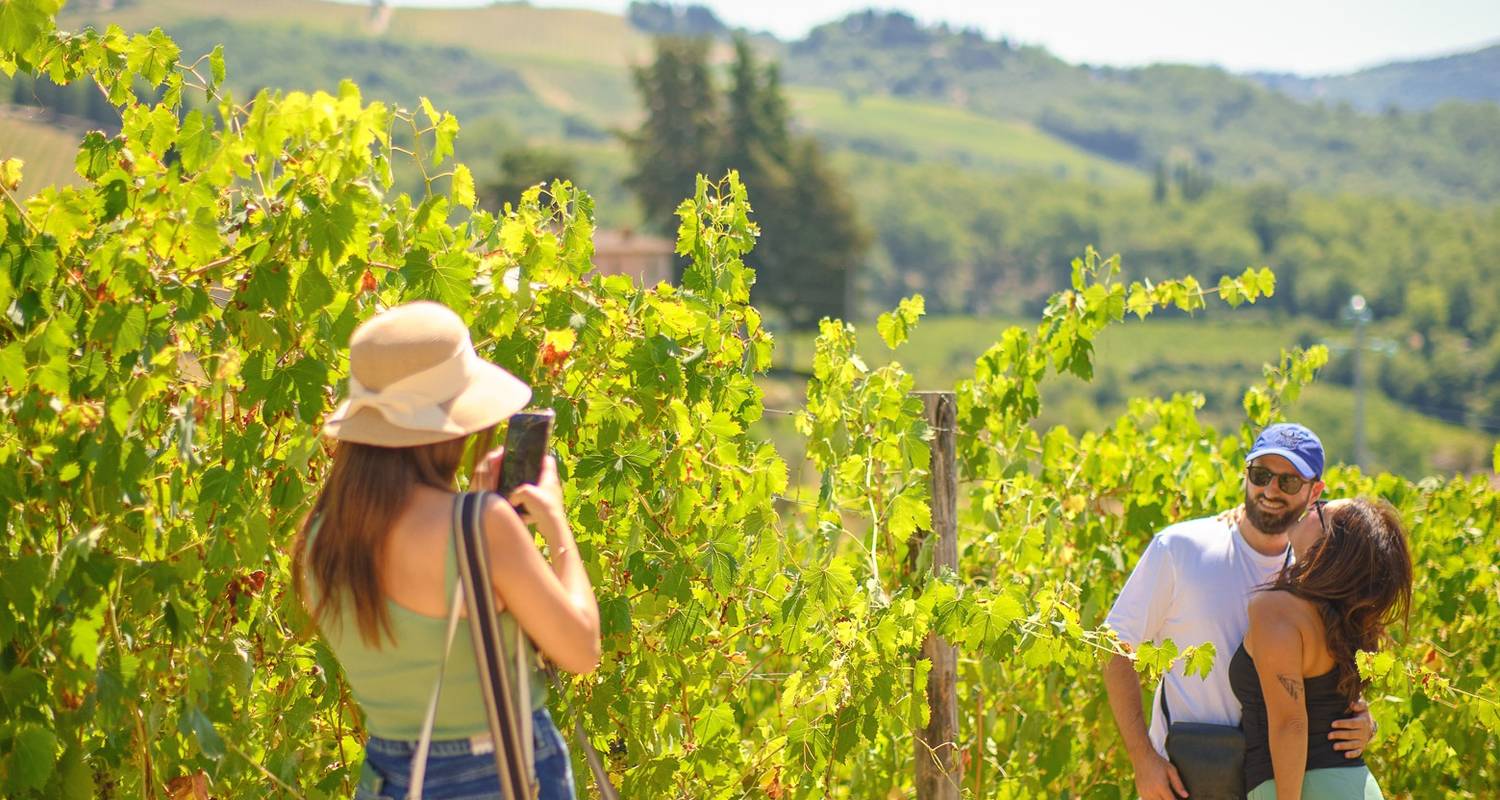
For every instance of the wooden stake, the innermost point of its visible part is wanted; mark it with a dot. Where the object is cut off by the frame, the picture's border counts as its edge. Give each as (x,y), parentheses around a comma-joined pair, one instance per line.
(939,773)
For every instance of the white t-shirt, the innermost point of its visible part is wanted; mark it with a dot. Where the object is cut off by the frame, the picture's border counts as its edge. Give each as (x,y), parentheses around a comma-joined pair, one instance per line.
(1193,585)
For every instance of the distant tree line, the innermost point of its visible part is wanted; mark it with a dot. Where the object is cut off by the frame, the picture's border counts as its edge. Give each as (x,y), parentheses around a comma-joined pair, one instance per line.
(986,244)
(671,19)
(80,99)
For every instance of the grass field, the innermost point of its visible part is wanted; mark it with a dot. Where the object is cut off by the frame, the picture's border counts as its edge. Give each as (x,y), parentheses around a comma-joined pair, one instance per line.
(575,60)
(1153,358)
(48,150)
(145,14)
(930,131)
(603,95)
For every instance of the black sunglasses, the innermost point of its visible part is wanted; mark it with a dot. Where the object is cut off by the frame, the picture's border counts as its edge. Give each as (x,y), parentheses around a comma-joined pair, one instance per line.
(1322,521)
(1285,481)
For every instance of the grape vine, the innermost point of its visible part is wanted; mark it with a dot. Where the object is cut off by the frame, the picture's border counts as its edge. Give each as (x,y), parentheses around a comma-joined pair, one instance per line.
(172,336)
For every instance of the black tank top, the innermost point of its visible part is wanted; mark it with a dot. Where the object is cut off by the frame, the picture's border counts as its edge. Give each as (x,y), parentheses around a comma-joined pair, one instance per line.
(1324,705)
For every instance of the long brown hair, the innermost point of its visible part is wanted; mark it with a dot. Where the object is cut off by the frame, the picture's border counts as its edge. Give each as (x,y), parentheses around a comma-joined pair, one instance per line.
(1359,577)
(367,489)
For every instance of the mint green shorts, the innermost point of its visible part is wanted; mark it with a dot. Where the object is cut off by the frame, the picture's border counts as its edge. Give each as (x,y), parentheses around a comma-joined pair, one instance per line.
(1334,783)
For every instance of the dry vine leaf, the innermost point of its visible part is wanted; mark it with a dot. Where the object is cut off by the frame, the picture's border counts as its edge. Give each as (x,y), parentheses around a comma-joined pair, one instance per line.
(189,787)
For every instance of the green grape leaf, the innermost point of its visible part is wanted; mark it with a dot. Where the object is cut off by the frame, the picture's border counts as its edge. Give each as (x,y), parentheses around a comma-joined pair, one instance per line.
(443,136)
(10,173)
(129,327)
(33,757)
(203,730)
(463,186)
(895,327)
(85,636)
(23,23)
(333,229)
(75,779)
(716,721)
(195,142)
(314,291)
(216,64)
(152,55)
(432,114)
(269,287)
(721,566)
(1267,281)
(446,278)
(614,616)
(920,715)
(1154,659)
(1230,291)
(1200,659)
(13,368)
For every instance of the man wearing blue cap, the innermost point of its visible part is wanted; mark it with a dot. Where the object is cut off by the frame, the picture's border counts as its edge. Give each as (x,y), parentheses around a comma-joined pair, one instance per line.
(1193,584)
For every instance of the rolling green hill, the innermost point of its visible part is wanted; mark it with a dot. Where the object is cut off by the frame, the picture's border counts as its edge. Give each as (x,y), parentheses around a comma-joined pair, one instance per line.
(1411,85)
(514,72)
(48,150)
(1225,125)
(291,56)
(573,61)
(508,29)
(1044,114)
(913,130)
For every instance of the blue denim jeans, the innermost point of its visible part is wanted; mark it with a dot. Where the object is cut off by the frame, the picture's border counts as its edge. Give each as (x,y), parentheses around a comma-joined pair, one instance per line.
(456,772)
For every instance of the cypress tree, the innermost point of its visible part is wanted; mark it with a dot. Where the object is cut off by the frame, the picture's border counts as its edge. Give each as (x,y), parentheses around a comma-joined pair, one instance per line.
(810,241)
(679,137)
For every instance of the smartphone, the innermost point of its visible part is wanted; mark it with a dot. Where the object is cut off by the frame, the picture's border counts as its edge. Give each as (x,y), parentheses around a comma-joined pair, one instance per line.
(526,438)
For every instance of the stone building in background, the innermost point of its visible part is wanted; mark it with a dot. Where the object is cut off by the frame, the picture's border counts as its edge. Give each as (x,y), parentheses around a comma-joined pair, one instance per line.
(645,258)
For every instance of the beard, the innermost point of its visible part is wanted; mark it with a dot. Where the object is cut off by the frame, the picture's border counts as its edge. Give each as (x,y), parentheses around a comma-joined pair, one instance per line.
(1271,521)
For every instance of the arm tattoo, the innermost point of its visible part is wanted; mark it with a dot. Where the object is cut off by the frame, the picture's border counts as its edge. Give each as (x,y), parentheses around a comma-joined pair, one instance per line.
(1292,686)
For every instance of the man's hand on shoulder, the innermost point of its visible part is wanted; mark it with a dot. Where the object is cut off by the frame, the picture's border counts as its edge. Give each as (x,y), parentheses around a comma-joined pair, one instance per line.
(1156,778)
(1230,516)
(1353,735)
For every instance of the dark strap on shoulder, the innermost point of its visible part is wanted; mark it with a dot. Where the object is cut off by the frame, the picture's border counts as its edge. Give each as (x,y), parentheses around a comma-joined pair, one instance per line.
(496,674)
(1166,714)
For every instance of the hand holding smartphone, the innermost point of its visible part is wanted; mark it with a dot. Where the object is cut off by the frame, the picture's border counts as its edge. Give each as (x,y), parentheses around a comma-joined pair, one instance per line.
(526,438)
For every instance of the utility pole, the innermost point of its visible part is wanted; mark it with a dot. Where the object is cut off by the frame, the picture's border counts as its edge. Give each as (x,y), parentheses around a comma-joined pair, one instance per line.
(1359,311)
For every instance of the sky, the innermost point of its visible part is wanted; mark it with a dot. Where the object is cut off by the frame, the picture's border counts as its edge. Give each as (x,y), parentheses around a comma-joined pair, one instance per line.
(1310,37)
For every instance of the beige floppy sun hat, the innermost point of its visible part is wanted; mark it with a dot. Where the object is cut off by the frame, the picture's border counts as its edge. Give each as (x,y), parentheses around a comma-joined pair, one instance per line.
(415,379)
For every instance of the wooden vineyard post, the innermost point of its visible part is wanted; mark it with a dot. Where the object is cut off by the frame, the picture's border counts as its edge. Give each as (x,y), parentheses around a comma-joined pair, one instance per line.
(939,773)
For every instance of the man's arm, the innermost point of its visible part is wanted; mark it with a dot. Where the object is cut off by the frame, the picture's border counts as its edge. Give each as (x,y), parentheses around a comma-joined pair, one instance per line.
(1155,777)
(1353,735)
(1138,616)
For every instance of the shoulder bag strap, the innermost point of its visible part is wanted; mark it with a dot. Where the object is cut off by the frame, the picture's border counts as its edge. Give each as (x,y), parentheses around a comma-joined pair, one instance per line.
(424,743)
(1165,713)
(510,727)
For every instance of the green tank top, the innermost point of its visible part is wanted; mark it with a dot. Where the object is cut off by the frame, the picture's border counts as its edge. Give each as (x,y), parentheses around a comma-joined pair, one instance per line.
(394,684)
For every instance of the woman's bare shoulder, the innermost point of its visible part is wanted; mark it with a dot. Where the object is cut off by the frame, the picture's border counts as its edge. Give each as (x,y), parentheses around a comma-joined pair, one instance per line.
(1279,609)
(503,524)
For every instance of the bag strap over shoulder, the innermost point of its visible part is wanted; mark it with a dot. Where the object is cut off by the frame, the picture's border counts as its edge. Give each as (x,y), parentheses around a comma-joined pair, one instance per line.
(1166,714)
(424,743)
(511,732)
(503,682)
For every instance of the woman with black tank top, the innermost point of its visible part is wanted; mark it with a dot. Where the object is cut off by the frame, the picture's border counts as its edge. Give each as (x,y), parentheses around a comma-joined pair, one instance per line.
(1295,673)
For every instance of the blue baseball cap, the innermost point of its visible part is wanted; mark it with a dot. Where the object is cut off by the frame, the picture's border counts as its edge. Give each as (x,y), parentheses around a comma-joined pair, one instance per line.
(1296,443)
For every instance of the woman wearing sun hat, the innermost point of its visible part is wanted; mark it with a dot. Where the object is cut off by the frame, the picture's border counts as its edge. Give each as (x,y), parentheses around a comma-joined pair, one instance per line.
(376,564)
